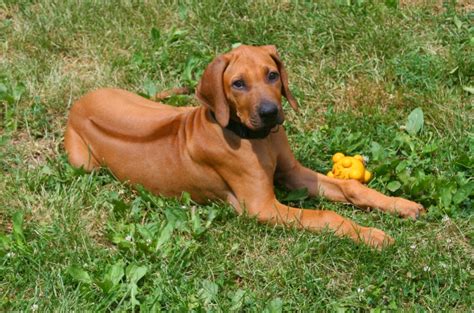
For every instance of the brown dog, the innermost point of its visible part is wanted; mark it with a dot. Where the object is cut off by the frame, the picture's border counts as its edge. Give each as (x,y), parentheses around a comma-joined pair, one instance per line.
(230,148)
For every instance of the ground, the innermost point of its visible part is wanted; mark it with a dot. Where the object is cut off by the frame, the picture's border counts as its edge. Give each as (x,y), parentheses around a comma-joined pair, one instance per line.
(392,81)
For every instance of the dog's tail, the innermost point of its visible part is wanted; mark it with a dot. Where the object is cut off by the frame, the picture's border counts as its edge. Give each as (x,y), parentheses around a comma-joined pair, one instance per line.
(172,92)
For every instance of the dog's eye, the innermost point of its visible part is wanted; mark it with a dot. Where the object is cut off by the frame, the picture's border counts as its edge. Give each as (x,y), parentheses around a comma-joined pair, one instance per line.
(238,84)
(272,76)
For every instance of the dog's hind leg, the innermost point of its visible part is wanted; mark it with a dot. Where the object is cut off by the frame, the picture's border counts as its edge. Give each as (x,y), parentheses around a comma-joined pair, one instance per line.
(79,153)
(171,92)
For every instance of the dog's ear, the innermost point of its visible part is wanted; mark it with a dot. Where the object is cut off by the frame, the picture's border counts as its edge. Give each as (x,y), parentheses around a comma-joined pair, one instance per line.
(283,76)
(210,90)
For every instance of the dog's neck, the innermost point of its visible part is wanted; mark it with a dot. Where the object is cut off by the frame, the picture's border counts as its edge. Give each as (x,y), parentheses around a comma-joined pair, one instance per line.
(243,131)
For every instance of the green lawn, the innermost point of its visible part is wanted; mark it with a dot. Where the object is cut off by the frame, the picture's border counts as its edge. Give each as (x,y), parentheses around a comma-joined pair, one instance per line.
(70,240)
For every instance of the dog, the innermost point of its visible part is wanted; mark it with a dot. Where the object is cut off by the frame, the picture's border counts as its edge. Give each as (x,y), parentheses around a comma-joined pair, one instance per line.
(231,148)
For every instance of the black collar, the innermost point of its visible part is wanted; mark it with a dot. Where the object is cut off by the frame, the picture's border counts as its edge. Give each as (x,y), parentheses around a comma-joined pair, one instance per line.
(243,131)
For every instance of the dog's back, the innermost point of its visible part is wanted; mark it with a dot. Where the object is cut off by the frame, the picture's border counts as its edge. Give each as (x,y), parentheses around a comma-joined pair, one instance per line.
(123,114)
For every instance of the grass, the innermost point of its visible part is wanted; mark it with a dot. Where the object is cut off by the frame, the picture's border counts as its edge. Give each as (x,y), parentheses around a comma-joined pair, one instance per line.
(76,241)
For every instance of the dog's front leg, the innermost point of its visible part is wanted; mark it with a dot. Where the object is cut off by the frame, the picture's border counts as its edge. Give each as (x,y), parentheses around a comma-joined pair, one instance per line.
(293,175)
(273,212)
(349,191)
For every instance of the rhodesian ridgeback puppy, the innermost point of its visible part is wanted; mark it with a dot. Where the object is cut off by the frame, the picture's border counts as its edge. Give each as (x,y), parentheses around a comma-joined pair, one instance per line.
(230,148)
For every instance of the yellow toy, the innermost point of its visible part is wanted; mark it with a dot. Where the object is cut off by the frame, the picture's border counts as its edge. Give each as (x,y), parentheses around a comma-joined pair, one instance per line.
(347,167)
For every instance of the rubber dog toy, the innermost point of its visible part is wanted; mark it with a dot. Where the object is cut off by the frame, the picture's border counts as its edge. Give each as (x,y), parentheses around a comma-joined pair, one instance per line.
(347,167)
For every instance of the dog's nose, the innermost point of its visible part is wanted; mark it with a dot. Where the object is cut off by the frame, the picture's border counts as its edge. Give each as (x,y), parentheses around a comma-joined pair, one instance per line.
(268,110)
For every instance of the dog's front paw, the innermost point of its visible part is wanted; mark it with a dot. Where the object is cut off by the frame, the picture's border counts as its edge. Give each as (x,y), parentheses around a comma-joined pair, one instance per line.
(406,208)
(375,238)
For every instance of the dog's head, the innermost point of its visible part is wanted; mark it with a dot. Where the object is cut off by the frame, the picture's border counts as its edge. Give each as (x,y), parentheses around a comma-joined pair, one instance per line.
(246,84)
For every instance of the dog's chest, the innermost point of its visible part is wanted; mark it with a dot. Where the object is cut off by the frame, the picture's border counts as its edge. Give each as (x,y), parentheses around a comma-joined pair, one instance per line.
(253,158)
